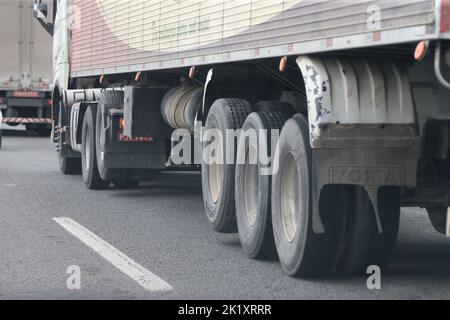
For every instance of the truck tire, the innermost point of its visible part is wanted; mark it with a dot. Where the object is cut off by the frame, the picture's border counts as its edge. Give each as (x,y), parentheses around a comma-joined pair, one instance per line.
(132,178)
(43,130)
(218,179)
(356,233)
(68,166)
(253,189)
(108,100)
(126,184)
(438,218)
(382,245)
(30,129)
(302,252)
(91,176)
(285,108)
(363,245)
(37,129)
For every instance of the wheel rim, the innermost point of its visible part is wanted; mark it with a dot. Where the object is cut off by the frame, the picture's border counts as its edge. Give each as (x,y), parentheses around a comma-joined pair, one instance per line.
(100,137)
(60,143)
(215,173)
(251,188)
(87,150)
(290,198)
(215,178)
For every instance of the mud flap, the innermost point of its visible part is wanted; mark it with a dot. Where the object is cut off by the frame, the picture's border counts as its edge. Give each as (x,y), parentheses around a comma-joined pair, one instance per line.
(362,124)
(370,168)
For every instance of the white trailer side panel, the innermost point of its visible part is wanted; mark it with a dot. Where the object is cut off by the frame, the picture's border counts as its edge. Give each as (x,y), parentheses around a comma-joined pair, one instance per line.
(134,35)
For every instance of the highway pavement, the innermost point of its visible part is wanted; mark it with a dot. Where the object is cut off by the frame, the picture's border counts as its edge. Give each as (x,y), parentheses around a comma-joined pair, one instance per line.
(60,241)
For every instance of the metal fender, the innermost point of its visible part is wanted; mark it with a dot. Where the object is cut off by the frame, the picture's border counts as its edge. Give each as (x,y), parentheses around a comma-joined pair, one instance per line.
(346,93)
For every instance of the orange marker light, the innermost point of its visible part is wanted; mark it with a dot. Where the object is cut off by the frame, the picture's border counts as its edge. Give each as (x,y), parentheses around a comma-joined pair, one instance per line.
(192,72)
(102,79)
(421,50)
(121,123)
(283,64)
(137,78)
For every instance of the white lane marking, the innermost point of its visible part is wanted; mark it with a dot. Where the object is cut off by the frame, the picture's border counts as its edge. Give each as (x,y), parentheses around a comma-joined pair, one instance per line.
(135,271)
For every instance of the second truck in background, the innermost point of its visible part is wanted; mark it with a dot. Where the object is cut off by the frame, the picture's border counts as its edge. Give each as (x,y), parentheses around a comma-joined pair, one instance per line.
(26,74)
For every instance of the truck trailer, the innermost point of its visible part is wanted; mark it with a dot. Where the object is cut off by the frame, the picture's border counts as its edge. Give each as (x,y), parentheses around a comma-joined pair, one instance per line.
(348,99)
(25,67)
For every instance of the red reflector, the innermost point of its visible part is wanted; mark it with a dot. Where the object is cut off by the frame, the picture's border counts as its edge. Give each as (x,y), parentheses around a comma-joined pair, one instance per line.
(124,138)
(25,94)
(50,102)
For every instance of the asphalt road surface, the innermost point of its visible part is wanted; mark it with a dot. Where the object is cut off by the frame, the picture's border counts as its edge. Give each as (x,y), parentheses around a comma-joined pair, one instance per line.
(161,232)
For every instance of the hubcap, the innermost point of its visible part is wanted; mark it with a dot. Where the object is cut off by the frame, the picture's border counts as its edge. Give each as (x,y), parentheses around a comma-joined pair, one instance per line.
(251,188)
(290,198)
(87,150)
(215,174)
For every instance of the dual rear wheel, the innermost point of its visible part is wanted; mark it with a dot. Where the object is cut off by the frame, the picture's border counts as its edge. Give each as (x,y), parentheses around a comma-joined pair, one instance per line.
(225,116)
(91,174)
(67,165)
(96,175)
(274,212)
(253,182)
(91,164)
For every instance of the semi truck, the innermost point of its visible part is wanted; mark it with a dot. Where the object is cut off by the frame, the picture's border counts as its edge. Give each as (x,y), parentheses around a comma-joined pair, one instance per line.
(25,68)
(348,97)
